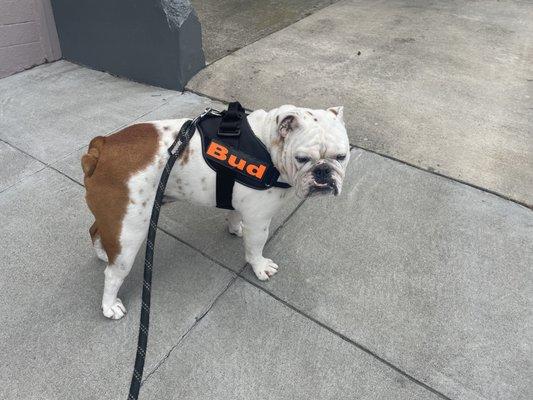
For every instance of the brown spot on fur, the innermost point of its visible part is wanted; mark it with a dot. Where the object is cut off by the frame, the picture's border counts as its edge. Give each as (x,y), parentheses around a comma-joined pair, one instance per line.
(144,203)
(333,111)
(312,115)
(108,165)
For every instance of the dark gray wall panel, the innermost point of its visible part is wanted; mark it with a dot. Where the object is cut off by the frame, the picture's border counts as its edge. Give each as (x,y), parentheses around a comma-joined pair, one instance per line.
(152,41)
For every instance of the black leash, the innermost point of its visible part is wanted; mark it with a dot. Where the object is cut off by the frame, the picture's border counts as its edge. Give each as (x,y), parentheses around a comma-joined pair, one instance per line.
(181,142)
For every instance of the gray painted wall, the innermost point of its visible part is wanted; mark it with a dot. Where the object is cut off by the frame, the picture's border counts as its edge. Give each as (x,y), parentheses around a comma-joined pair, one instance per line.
(27,35)
(157,42)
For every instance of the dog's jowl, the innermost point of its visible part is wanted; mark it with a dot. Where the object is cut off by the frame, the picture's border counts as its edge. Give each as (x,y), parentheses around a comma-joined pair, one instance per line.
(309,148)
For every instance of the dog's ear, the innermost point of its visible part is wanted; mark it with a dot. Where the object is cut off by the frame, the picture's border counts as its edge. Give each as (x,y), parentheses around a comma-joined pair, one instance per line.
(287,122)
(337,111)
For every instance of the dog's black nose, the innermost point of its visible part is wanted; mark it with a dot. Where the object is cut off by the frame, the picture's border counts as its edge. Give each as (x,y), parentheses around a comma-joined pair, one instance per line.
(322,173)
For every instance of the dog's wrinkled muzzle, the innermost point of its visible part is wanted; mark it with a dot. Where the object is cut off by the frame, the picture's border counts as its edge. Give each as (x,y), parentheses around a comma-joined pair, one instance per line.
(323,181)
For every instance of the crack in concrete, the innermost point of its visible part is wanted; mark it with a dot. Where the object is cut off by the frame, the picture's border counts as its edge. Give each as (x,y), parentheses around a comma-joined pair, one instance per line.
(346,339)
(287,304)
(50,165)
(189,330)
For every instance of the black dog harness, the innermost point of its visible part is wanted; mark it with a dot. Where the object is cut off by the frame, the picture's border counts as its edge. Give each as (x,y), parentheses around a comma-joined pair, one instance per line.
(235,153)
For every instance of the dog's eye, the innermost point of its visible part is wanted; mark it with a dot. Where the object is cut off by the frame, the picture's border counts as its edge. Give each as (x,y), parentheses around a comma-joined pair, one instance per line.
(341,157)
(302,159)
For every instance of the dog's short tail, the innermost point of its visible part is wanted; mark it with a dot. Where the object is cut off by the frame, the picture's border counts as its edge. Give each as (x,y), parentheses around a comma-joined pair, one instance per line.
(90,160)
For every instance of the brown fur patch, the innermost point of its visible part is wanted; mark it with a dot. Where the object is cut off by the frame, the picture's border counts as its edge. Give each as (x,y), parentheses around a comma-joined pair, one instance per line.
(108,165)
(333,111)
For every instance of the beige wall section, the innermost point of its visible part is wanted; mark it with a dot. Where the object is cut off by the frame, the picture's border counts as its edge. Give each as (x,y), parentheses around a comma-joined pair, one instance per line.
(28,35)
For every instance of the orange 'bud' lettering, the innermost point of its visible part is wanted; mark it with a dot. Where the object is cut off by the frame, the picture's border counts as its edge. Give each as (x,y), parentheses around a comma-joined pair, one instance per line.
(235,160)
(217,151)
(257,171)
(232,161)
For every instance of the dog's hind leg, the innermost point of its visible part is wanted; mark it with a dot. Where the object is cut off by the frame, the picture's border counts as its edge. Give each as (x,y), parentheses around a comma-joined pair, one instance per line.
(97,243)
(115,274)
(133,233)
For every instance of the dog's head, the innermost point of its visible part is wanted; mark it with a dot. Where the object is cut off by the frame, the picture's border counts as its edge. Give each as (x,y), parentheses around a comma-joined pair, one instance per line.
(311,149)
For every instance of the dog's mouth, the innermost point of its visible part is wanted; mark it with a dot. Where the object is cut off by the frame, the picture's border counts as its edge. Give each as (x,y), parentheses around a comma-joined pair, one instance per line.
(329,187)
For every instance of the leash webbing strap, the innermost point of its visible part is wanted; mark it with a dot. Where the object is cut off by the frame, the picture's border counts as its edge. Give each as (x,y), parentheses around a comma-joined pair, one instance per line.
(181,142)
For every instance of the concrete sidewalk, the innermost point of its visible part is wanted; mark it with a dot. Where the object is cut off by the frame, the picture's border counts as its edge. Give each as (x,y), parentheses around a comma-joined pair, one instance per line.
(228,25)
(444,85)
(409,286)
(419,287)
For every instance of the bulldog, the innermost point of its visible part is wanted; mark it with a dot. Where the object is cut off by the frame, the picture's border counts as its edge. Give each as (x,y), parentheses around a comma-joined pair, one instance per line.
(310,149)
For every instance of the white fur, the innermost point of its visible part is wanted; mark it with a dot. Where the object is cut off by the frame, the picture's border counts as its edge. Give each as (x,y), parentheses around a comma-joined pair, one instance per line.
(321,140)
(99,249)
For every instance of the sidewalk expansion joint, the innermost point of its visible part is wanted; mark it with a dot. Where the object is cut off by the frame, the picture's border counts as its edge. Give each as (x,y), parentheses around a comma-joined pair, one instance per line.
(435,172)
(51,163)
(346,339)
(190,329)
(217,297)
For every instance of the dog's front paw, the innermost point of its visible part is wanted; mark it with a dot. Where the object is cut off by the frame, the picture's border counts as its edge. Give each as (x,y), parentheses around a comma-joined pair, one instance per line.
(114,311)
(264,269)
